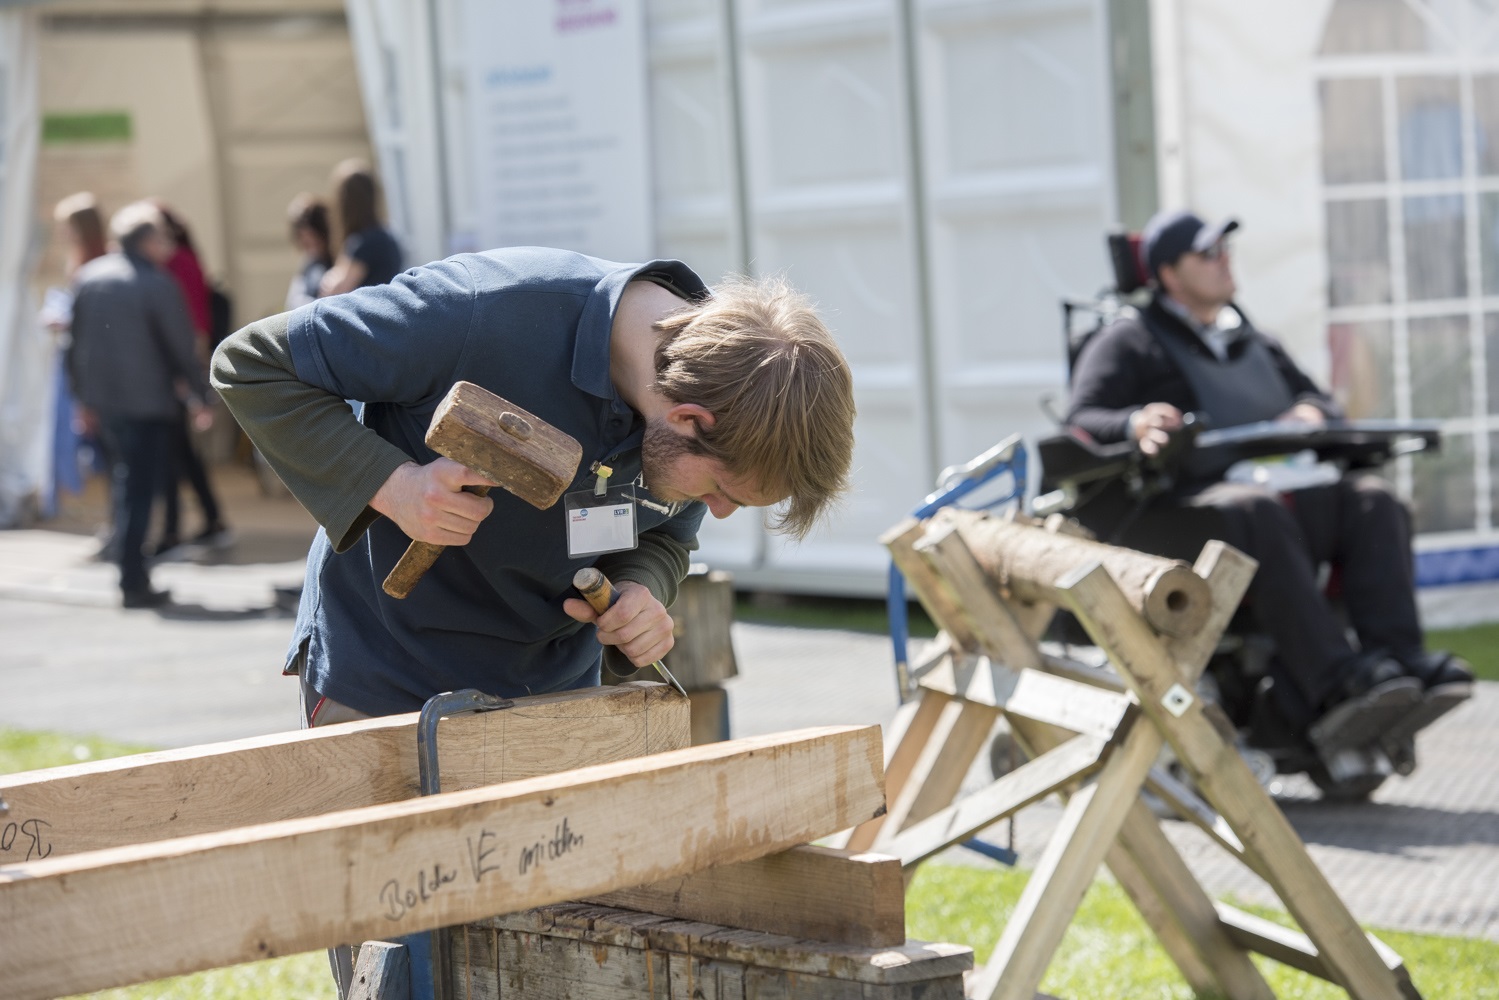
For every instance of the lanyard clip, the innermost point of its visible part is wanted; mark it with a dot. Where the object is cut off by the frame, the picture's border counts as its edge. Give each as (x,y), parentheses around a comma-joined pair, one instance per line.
(601,480)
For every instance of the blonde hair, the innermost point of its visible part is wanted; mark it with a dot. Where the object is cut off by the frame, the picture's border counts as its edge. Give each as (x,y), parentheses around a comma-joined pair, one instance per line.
(756,355)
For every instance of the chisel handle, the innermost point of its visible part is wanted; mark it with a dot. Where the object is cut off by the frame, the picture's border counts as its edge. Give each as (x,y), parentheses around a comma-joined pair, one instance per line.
(595,588)
(417,559)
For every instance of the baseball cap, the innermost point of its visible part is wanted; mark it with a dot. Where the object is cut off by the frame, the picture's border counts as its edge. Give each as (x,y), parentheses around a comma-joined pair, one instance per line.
(1168,235)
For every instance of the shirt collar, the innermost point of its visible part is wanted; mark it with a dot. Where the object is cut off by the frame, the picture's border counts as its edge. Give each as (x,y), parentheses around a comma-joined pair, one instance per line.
(1229,324)
(591,349)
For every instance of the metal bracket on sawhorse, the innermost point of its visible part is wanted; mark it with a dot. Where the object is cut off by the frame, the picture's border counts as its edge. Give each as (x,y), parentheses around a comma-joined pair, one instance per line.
(380,973)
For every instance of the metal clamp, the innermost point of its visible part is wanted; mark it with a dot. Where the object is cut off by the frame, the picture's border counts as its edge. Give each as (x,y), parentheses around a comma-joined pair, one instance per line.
(448,703)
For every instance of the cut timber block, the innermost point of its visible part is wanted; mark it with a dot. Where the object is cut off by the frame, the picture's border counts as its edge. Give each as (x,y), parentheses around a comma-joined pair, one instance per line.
(218,786)
(125,915)
(710,715)
(578,950)
(808,892)
(703,656)
(381,972)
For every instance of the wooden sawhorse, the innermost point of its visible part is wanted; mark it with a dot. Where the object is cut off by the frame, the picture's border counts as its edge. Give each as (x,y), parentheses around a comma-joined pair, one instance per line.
(992,585)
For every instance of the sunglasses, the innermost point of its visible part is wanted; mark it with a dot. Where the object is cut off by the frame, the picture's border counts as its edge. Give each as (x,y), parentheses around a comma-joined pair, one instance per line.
(1215,251)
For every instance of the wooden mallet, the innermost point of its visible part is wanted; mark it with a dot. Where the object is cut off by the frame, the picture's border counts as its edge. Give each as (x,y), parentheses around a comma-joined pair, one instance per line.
(499,441)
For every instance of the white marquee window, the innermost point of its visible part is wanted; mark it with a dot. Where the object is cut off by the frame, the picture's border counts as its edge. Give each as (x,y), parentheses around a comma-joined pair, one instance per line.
(1410,167)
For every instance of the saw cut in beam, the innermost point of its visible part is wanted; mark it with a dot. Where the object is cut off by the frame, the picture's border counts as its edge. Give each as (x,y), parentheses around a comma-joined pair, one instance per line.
(126,915)
(809,892)
(217,786)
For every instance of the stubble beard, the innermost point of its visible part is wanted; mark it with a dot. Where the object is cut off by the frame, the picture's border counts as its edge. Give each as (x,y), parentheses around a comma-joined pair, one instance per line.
(659,451)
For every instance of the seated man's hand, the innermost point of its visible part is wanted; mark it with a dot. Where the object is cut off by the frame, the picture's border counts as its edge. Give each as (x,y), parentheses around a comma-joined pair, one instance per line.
(1152,424)
(428,503)
(1303,413)
(637,624)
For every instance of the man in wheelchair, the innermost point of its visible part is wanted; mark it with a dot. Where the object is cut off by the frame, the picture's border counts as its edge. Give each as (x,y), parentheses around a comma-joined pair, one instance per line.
(1192,351)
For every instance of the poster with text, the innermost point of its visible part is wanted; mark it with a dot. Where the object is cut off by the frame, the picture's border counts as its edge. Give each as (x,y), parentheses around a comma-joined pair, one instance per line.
(557,91)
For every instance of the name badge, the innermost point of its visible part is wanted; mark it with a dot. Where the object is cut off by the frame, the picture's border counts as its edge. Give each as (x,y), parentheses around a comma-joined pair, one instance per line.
(599,523)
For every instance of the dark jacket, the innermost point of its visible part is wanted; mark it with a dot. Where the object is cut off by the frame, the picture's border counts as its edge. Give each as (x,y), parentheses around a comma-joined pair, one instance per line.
(1124,367)
(131,340)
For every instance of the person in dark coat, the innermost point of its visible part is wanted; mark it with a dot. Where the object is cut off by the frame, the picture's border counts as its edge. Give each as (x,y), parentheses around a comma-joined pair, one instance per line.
(1193,350)
(132,343)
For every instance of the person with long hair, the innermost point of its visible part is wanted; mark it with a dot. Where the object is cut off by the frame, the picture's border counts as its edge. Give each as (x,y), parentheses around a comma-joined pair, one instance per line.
(184,462)
(368,252)
(311,233)
(81,226)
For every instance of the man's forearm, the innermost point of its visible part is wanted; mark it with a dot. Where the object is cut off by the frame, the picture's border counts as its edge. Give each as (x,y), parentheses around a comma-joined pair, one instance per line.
(327,459)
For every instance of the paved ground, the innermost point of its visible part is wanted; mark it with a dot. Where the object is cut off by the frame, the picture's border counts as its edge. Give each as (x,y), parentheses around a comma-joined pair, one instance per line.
(1424,855)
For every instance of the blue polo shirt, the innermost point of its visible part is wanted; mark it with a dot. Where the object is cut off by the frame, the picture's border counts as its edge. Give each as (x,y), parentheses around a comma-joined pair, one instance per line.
(531,325)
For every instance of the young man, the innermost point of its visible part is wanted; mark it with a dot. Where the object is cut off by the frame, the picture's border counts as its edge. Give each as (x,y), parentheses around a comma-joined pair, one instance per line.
(1193,350)
(705,402)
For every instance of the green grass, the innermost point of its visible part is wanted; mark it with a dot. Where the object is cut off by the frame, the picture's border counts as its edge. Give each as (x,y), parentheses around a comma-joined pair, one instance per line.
(852,614)
(1108,953)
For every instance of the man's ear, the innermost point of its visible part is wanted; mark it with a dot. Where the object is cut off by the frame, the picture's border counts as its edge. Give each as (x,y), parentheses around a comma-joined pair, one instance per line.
(690,418)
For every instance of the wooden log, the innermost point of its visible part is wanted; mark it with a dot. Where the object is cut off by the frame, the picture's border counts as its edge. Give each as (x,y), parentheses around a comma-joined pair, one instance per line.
(217,786)
(125,915)
(809,892)
(1027,562)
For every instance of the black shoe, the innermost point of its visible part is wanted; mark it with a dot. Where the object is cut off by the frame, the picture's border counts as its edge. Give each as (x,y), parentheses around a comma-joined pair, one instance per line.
(215,536)
(147,598)
(1372,697)
(1436,668)
(165,546)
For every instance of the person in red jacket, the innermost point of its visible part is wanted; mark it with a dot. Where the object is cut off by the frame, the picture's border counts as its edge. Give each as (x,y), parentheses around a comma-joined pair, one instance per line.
(184,462)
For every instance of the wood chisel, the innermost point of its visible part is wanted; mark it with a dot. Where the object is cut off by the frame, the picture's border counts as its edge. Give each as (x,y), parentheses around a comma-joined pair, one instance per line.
(601,595)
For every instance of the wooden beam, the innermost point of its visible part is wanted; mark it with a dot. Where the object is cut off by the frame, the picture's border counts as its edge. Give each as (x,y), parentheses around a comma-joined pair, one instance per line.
(1031,782)
(218,786)
(911,962)
(1291,947)
(125,915)
(809,892)
(931,590)
(1050,899)
(1032,694)
(1226,781)
(915,723)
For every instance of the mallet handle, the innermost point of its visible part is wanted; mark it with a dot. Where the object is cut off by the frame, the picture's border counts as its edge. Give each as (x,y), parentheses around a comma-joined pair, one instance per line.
(417,559)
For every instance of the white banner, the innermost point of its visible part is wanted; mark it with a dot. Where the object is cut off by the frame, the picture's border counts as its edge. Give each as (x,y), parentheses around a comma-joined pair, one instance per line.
(557,98)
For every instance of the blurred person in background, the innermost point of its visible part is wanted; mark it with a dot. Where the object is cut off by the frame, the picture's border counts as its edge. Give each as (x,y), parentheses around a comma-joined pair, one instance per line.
(81,227)
(132,345)
(310,231)
(184,462)
(368,254)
